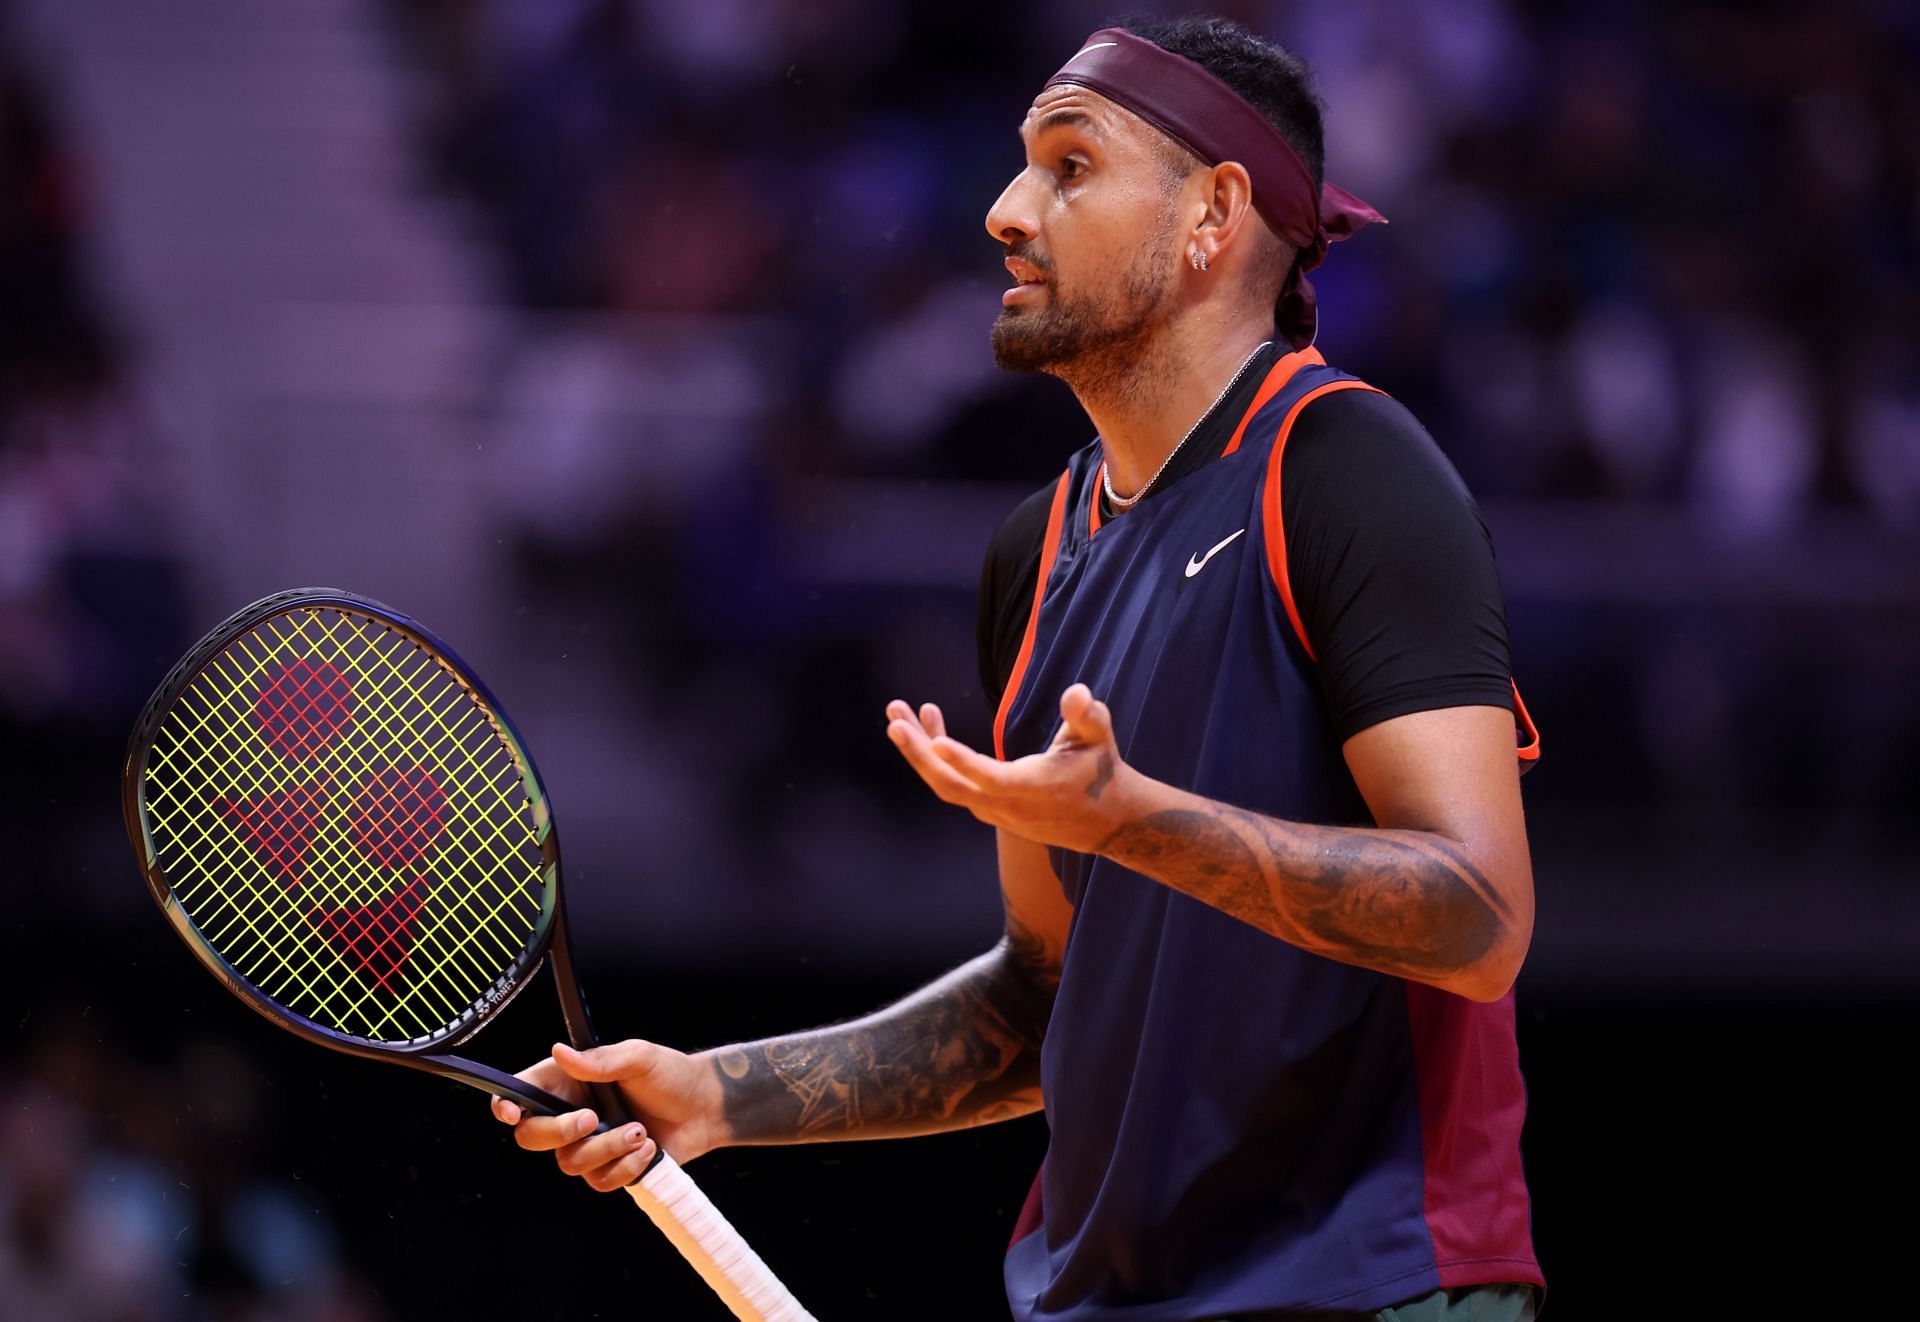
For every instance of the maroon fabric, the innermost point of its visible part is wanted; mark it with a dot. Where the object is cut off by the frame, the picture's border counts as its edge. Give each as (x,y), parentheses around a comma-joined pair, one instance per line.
(1472,1104)
(1031,1217)
(1215,123)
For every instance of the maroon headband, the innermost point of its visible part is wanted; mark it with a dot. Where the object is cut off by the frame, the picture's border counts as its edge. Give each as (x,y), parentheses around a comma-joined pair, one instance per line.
(1212,121)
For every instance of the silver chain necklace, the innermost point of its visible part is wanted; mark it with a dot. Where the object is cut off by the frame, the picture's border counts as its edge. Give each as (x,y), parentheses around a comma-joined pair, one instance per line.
(1106,477)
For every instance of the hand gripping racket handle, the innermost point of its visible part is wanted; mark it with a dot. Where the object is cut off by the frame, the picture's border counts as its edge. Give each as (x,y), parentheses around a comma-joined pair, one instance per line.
(688,1218)
(668,1195)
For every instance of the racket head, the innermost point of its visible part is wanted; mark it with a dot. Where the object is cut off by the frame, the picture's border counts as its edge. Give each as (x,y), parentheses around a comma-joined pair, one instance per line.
(338,818)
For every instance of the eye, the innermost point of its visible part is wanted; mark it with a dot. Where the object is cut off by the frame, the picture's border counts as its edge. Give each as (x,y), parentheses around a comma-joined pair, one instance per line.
(1072,167)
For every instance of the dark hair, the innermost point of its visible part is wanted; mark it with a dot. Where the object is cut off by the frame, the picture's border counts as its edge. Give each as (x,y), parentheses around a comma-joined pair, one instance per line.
(1274,81)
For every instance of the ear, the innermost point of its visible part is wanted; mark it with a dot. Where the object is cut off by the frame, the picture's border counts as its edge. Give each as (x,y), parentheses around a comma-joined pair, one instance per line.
(1227,221)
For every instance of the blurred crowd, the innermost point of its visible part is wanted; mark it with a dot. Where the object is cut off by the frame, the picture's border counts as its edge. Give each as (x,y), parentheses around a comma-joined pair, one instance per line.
(86,566)
(136,1189)
(1653,259)
(1661,260)
(1650,252)
(111,1209)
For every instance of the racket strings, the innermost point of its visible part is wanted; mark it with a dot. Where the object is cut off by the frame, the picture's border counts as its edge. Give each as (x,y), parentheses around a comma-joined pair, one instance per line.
(346,921)
(324,876)
(397,724)
(346,825)
(335,921)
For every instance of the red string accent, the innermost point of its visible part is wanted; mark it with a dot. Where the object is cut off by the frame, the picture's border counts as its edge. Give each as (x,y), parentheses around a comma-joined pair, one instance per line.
(376,938)
(279,826)
(399,814)
(303,706)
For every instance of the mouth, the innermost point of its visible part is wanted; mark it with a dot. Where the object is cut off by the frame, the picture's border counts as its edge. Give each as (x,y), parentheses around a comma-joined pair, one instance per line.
(1027,278)
(1026,291)
(1024,273)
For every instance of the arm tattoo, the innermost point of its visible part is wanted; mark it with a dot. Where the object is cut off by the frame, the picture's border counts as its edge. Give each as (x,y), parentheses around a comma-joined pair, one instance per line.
(964,1051)
(1401,902)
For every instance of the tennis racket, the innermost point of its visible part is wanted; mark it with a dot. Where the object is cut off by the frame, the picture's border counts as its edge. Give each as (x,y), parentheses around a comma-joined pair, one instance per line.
(338,819)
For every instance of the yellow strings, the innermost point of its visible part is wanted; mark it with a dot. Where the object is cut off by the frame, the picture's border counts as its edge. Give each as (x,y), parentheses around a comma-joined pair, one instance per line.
(483,870)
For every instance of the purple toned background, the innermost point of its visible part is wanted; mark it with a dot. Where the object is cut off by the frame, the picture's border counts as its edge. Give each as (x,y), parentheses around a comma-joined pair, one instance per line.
(639,348)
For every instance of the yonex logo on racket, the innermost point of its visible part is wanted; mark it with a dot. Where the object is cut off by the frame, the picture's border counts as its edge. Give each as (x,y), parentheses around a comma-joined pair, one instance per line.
(344,823)
(396,816)
(303,706)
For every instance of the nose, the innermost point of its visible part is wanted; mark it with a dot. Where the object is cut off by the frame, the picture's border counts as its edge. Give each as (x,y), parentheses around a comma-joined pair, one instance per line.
(1011,218)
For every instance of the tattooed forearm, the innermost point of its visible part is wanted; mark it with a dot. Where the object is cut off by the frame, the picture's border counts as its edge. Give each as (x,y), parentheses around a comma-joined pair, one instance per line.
(963,1051)
(1402,902)
(1031,958)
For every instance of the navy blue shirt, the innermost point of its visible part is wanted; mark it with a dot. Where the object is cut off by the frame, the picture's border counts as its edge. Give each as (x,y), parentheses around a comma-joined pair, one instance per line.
(1392,565)
(1239,1127)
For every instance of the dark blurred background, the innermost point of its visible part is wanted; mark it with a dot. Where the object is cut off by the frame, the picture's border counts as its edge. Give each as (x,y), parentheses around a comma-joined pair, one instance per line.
(639,348)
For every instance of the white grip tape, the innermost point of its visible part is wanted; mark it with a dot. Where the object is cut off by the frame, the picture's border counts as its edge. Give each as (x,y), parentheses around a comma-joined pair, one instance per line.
(688,1218)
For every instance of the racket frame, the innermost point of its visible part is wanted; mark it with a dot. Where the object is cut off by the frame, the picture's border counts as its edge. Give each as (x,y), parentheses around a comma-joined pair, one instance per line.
(548,942)
(675,1204)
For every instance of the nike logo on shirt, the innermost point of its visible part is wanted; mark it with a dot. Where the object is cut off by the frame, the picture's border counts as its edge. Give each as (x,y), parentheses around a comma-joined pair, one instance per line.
(1199,562)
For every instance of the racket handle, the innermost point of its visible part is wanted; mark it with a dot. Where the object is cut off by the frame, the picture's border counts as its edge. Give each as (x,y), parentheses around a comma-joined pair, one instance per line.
(688,1218)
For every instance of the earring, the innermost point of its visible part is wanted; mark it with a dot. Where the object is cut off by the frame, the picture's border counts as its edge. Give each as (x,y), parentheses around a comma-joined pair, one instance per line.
(1199,259)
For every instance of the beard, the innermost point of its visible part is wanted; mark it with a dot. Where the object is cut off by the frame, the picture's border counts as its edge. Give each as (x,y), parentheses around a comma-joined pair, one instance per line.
(1089,340)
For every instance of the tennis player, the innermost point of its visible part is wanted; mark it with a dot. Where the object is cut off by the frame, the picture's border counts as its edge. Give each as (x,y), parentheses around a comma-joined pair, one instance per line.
(1255,783)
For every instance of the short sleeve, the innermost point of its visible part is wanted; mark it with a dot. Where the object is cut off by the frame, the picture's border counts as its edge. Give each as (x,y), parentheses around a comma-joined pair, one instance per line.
(1391,566)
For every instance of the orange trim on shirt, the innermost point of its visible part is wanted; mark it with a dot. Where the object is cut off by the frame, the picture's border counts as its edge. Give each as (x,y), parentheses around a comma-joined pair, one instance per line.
(1271,513)
(1271,509)
(1049,547)
(1277,377)
(1528,752)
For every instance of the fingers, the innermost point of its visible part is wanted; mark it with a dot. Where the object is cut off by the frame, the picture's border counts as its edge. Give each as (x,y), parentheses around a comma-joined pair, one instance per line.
(932,721)
(592,1158)
(1089,718)
(615,1062)
(910,736)
(540,1133)
(607,1161)
(981,771)
(547,1076)
(930,718)
(623,1172)
(563,1073)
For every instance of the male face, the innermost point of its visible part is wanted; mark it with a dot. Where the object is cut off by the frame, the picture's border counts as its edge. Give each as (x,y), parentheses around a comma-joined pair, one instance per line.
(1089,231)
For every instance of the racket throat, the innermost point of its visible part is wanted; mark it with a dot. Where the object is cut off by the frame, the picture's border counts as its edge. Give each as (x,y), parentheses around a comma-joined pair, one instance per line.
(607,1102)
(532,1100)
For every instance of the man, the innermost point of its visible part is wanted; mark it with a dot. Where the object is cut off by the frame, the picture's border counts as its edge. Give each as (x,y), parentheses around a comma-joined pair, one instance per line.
(1261,852)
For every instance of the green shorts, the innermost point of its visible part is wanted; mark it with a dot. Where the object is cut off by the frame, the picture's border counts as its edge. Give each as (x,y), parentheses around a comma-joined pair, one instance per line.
(1467,1303)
